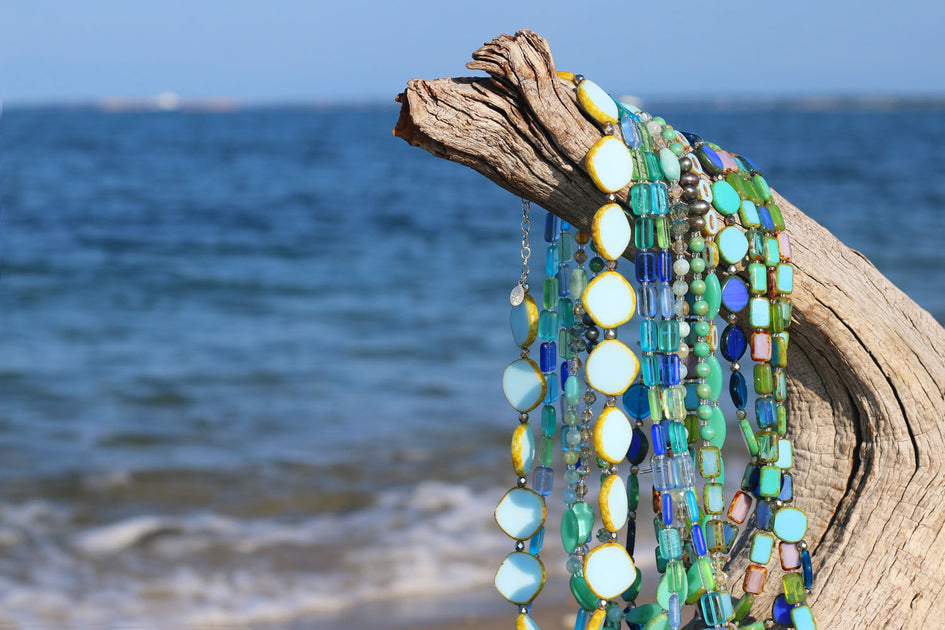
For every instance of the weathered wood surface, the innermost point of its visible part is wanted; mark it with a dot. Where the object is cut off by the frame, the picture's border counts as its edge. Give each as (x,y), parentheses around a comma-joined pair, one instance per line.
(867,374)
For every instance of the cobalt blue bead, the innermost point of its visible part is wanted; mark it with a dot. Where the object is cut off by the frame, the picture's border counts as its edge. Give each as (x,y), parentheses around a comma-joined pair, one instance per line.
(691,137)
(709,159)
(647,303)
(636,401)
(763,515)
(645,266)
(669,369)
(787,488)
(664,266)
(658,435)
(552,228)
(751,478)
(639,446)
(631,535)
(564,280)
(751,164)
(732,343)
(738,390)
(698,540)
(764,412)
(735,294)
(781,611)
(548,356)
(808,569)
(765,215)
(565,373)
(667,507)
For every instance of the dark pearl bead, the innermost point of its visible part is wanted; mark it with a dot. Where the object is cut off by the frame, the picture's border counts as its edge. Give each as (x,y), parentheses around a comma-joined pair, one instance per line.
(689,179)
(591,334)
(689,193)
(696,223)
(587,319)
(699,207)
(685,165)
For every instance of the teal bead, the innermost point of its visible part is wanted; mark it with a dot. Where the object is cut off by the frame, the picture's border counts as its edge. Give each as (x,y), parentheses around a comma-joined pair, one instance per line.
(757,278)
(703,391)
(668,336)
(697,287)
(670,543)
(733,245)
(725,198)
(549,294)
(713,498)
(566,247)
(703,369)
(704,412)
(641,200)
(759,314)
(643,233)
(710,465)
(748,213)
(717,422)
(701,329)
(772,251)
(701,349)
(701,308)
(697,265)
(572,390)
(706,432)
(769,482)
(714,379)
(762,545)
(712,295)
(784,275)
(696,244)
(548,325)
(549,420)
(565,312)
(670,164)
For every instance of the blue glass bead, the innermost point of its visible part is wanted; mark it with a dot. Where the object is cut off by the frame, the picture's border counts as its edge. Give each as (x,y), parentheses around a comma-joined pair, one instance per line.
(787,488)
(658,435)
(709,159)
(551,393)
(698,540)
(675,611)
(565,226)
(738,390)
(751,478)
(551,260)
(649,335)
(692,505)
(552,228)
(662,473)
(548,356)
(664,266)
(684,472)
(764,515)
(765,215)
(808,569)
(735,294)
(781,611)
(659,197)
(732,343)
(630,134)
(712,611)
(636,402)
(667,506)
(564,438)
(645,266)
(564,280)
(764,412)
(692,138)
(647,303)
(565,373)
(650,369)
(631,536)
(754,167)
(669,369)
(537,541)
(667,300)
(639,446)
(543,479)
(670,544)
(580,623)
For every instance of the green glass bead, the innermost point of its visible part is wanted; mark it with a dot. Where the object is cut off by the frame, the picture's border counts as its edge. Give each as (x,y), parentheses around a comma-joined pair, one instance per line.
(569,531)
(759,312)
(764,383)
(572,390)
(784,275)
(701,349)
(696,244)
(714,378)
(742,607)
(762,187)
(642,614)
(549,294)
(674,402)
(676,581)
(780,385)
(692,427)
(750,441)
(597,264)
(713,498)
(565,312)
(703,391)
(701,328)
(794,591)
(706,574)
(768,444)
(661,228)
(762,543)
(677,148)
(570,457)
(756,244)
(712,295)
(754,625)
(781,419)
(630,595)
(546,449)
(769,482)
(776,217)
(710,465)
(643,233)
(700,307)
(704,411)
(757,278)
(702,367)
(697,287)
(548,325)
(585,520)
(659,622)
(564,340)
(678,437)
(697,265)
(571,417)
(717,422)
(668,134)
(654,169)
(633,492)
(566,247)
(578,282)
(781,311)
(772,251)
(779,346)
(748,213)
(549,420)
(669,164)
(668,335)
(583,594)
(706,432)
(641,199)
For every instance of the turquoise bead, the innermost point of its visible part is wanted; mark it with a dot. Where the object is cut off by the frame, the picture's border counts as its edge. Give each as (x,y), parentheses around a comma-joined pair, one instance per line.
(748,212)
(732,244)
(760,312)
(803,618)
(572,390)
(713,498)
(762,545)
(790,524)
(670,164)
(725,198)
(712,295)
(785,278)
(769,483)
(668,335)
(548,325)
(714,380)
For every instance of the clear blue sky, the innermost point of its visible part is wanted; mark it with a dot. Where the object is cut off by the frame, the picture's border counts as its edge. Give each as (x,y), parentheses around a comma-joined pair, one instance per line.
(344,50)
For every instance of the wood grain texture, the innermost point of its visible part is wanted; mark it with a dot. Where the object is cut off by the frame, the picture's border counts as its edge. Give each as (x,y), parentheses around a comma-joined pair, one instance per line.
(866,370)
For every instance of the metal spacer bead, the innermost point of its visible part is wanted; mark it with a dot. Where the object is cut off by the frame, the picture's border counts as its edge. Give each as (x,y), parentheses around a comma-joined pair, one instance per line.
(523,417)
(522,482)
(519,545)
(523,610)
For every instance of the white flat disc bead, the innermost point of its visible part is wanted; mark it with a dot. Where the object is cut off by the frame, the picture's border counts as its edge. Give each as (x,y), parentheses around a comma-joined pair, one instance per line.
(523,449)
(520,577)
(597,103)
(520,513)
(523,384)
(610,164)
(609,570)
(609,299)
(613,503)
(611,367)
(611,231)
(612,435)
(524,622)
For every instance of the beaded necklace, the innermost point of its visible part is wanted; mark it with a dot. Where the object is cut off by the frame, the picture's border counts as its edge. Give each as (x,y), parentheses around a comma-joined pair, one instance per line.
(701,219)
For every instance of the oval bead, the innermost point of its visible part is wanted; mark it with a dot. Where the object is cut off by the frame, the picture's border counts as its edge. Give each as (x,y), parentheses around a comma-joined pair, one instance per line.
(610,230)
(597,103)
(523,385)
(735,294)
(523,321)
(609,570)
(609,300)
(523,449)
(520,513)
(612,502)
(733,343)
(732,244)
(612,435)
(609,164)
(670,164)
(790,524)
(717,422)
(714,380)
(712,295)
(725,198)
(520,577)
(610,368)
(636,401)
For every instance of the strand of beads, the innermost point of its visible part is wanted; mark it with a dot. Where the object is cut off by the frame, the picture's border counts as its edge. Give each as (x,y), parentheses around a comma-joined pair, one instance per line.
(521,512)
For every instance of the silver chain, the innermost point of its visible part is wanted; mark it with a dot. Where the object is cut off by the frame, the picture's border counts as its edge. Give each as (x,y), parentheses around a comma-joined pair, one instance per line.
(526,249)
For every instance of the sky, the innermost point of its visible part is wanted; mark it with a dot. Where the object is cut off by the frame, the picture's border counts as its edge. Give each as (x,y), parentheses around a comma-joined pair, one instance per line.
(365,51)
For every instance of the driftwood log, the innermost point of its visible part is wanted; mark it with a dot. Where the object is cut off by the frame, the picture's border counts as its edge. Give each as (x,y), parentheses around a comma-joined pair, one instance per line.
(867,377)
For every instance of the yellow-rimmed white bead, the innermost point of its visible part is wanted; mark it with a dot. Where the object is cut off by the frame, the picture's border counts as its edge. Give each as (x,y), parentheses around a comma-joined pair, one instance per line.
(610,164)
(609,299)
(523,449)
(609,570)
(613,434)
(596,622)
(597,103)
(611,367)
(610,231)
(520,577)
(613,503)
(523,621)
(521,513)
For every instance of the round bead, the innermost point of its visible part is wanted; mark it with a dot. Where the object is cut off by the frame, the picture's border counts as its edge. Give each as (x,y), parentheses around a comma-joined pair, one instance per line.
(611,367)
(609,570)
(696,244)
(523,384)
(706,432)
(520,577)
(701,307)
(520,513)
(609,300)
(697,265)
(681,267)
(733,245)
(697,287)
(701,349)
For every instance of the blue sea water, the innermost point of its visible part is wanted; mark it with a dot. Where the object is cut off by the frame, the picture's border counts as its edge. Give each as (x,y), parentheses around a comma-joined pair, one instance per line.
(249,369)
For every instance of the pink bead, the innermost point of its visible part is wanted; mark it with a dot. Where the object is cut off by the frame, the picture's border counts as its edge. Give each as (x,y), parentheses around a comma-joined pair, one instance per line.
(755,577)
(784,245)
(728,162)
(790,556)
(761,346)
(741,506)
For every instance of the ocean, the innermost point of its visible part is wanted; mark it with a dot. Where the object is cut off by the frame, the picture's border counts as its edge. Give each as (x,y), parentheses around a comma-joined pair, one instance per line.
(250,362)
